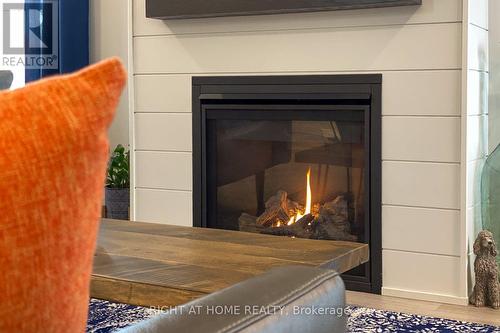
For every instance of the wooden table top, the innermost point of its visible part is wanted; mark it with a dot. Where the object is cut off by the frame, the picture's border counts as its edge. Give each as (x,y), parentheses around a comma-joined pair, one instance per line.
(164,265)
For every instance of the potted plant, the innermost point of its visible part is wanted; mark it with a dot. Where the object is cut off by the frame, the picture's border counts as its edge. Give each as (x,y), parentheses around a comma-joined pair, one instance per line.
(117,194)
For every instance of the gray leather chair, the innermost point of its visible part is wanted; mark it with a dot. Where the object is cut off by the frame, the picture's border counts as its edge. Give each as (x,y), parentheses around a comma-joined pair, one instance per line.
(287,299)
(6,78)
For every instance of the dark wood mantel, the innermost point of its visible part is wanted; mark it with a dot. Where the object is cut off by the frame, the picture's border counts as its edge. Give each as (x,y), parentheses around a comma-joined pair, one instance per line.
(176,9)
(163,265)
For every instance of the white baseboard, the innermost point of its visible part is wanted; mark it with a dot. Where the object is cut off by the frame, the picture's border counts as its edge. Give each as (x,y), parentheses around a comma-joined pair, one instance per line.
(423,296)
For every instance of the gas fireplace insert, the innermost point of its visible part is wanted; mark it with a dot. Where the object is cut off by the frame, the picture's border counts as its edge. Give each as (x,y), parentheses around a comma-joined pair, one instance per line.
(291,156)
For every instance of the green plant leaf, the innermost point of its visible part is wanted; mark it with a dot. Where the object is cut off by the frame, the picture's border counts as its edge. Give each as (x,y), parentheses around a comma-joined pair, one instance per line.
(118,173)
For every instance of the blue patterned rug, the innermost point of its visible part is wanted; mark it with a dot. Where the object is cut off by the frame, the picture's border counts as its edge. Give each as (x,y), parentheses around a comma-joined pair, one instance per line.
(107,317)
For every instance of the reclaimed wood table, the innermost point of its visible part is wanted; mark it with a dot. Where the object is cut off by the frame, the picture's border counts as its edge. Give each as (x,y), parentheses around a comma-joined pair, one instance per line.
(163,265)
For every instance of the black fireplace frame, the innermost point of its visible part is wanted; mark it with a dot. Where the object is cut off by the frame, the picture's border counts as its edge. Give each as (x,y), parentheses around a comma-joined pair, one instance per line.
(356,89)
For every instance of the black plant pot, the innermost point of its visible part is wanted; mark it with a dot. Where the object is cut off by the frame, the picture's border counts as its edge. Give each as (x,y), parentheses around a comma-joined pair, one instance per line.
(117,201)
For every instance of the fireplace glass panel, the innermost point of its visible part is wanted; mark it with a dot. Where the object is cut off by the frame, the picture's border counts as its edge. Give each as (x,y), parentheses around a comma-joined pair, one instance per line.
(261,175)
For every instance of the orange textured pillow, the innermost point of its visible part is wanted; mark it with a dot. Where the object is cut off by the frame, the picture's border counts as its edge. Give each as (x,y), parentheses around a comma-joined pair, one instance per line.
(53,155)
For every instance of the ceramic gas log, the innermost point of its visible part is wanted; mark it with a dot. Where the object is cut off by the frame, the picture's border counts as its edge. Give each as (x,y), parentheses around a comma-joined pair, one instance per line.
(327,221)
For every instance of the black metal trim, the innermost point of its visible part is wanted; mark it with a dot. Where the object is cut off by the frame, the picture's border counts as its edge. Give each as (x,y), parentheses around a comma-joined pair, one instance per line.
(376,187)
(287,80)
(198,196)
(243,94)
(281,112)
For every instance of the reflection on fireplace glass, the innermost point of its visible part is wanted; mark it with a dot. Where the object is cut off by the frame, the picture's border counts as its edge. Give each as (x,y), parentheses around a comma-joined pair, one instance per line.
(293,178)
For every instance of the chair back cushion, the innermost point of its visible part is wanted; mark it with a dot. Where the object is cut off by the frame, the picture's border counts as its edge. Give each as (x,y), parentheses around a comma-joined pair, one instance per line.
(6,78)
(290,299)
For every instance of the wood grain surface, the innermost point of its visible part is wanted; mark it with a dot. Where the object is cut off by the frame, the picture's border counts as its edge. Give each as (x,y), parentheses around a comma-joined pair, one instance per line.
(163,265)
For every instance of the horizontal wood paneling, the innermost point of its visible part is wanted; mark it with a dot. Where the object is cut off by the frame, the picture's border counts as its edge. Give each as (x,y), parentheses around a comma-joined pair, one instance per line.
(477,137)
(432,93)
(163,131)
(421,66)
(471,257)
(409,138)
(433,185)
(477,92)
(477,48)
(366,48)
(474,226)
(478,13)
(474,172)
(494,78)
(168,207)
(421,272)
(421,230)
(475,121)
(407,93)
(163,93)
(164,170)
(431,11)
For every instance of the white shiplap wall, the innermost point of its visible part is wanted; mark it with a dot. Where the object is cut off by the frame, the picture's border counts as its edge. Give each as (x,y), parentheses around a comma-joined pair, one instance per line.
(494,77)
(419,52)
(109,38)
(475,121)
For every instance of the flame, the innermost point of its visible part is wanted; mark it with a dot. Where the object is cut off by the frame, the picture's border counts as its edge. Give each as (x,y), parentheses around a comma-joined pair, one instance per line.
(297,217)
(309,195)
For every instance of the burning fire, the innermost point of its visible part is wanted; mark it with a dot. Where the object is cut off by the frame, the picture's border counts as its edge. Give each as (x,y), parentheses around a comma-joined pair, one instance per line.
(298,216)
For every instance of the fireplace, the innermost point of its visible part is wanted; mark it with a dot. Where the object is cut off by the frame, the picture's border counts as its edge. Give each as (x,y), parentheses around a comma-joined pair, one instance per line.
(291,156)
